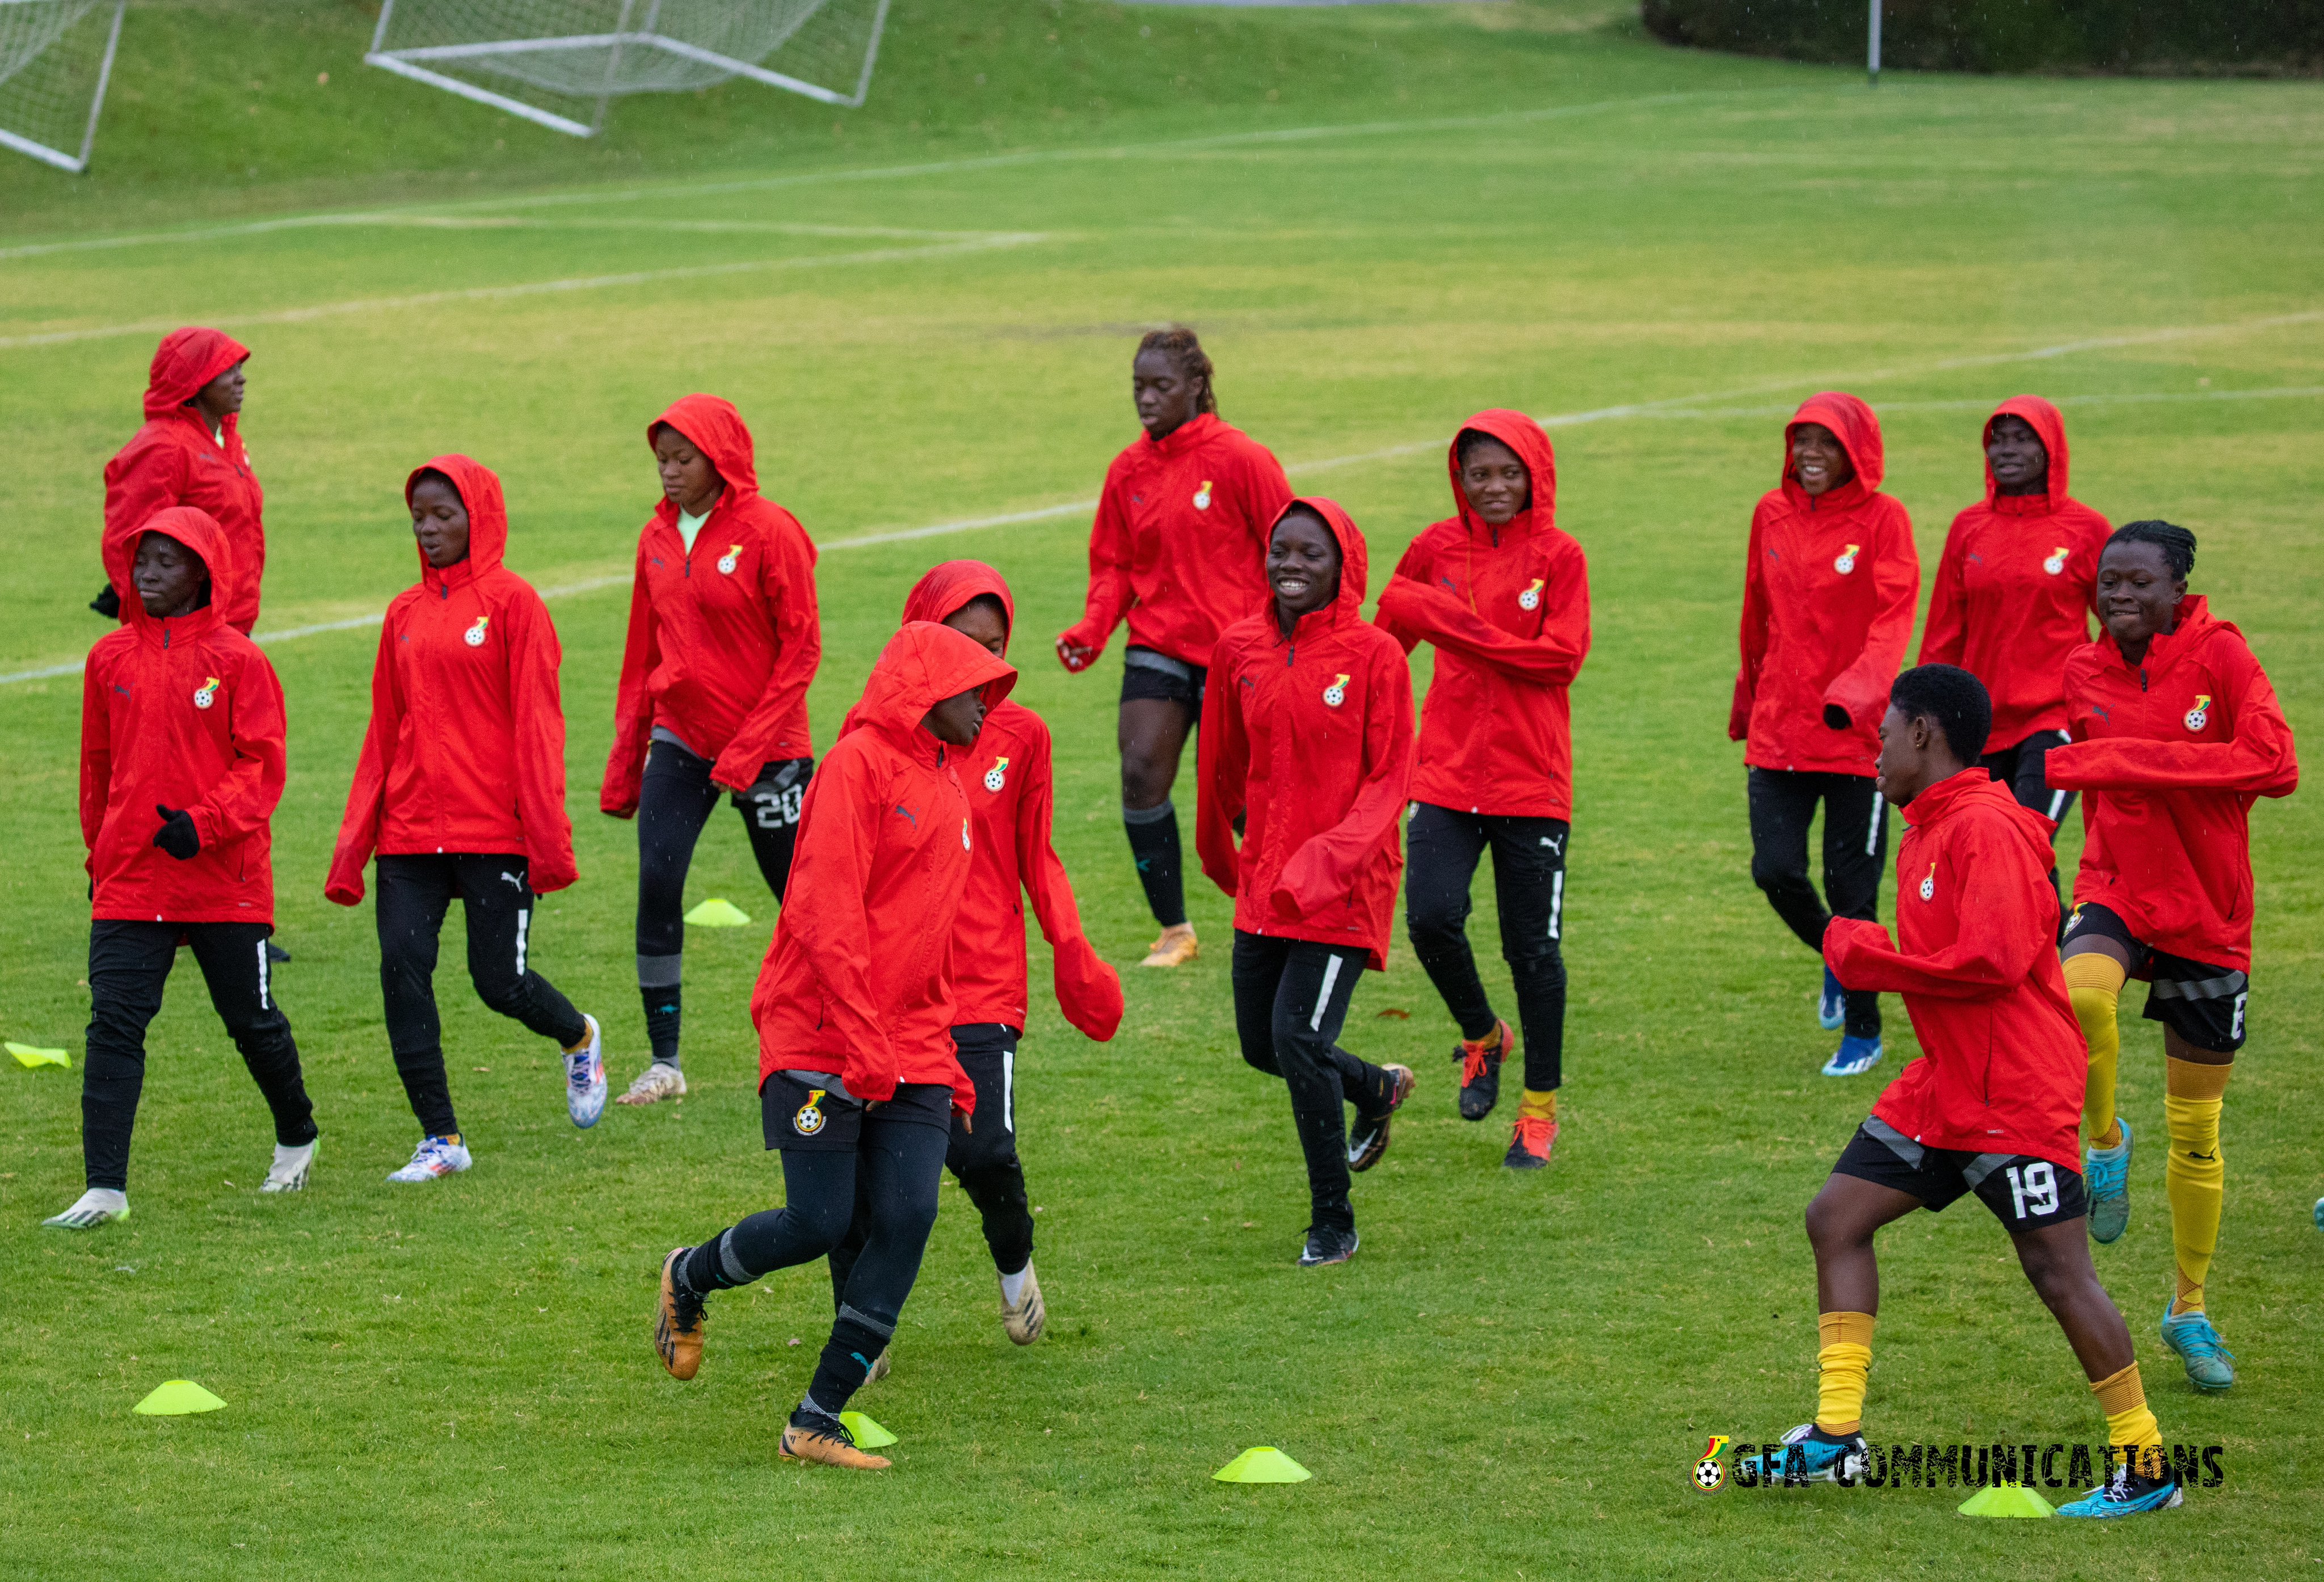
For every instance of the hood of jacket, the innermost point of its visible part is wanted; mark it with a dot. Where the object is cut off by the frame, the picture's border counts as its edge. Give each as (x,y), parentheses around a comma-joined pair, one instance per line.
(948,588)
(480,492)
(2050,424)
(1355,568)
(1858,433)
(196,529)
(716,430)
(2195,623)
(185,360)
(1976,787)
(922,665)
(1522,435)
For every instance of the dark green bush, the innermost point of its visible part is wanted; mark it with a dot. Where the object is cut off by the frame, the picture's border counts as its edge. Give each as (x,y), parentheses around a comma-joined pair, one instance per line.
(2196,36)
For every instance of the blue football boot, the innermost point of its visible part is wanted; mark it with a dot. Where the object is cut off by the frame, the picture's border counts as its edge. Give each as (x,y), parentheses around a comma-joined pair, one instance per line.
(1808,1451)
(2125,1493)
(2211,1365)
(2106,1171)
(1856,1056)
(1832,1009)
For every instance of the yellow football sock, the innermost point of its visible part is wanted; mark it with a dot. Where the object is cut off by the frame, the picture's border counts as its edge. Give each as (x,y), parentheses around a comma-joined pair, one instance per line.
(2195,1178)
(1538,1106)
(1844,1359)
(2123,1399)
(2094,984)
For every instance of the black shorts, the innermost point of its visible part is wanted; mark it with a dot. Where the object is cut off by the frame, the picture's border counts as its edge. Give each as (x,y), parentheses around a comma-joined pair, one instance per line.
(2024,1193)
(1145,673)
(797,1115)
(2202,1003)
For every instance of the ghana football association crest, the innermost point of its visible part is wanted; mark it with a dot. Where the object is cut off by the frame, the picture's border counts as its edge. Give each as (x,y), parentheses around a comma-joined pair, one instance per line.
(206,693)
(1929,884)
(1846,562)
(1530,599)
(2056,564)
(2201,715)
(1202,496)
(1709,1475)
(474,636)
(997,775)
(809,1119)
(1337,692)
(730,560)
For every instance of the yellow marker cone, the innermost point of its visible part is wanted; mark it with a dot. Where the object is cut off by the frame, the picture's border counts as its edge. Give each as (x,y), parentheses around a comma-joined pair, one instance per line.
(29,1056)
(1262,1464)
(714,913)
(178,1397)
(868,1435)
(2007,1499)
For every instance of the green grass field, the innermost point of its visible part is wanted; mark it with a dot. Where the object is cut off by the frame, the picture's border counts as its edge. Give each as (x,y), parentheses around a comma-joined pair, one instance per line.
(1381,220)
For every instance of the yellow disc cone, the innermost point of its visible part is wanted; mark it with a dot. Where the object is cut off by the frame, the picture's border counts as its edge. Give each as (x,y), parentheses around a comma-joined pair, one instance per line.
(868,1435)
(1262,1464)
(714,913)
(29,1056)
(178,1397)
(2007,1499)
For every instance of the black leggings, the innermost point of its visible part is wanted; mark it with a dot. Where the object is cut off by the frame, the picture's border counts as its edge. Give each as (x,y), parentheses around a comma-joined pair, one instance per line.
(887,1185)
(413,894)
(1291,999)
(673,805)
(1855,843)
(128,963)
(981,1156)
(1442,849)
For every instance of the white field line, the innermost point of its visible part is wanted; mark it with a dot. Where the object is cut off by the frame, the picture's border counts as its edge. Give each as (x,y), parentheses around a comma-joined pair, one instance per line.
(1227,140)
(414,220)
(1303,469)
(985,242)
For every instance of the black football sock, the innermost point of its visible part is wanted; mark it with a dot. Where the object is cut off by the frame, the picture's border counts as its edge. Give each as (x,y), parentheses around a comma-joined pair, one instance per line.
(661,1003)
(1154,843)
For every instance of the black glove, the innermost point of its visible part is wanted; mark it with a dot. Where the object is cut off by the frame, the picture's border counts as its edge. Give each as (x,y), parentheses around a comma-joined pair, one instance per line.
(177,835)
(107,603)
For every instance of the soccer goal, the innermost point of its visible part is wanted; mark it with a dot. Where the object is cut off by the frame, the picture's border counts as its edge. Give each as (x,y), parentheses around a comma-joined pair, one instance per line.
(553,61)
(55,56)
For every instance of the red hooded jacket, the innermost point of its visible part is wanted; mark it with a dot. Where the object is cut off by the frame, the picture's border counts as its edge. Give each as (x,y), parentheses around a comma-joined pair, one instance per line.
(2170,754)
(175,460)
(724,640)
(2016,586)
(466,748)
(1012,796)
(859,978)
(2002,1058)
(1180,541)
(1309,741)
(184,713)
(1509,609)
(1829,588)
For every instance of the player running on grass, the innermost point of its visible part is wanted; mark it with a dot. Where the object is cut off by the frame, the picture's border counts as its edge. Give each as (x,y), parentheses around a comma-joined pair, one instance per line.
(1306,753)
(1505,597)
(1828,585)
(1178,546)
(2176,732)
(2013,595)
(856,1008)
(1989,1106)
(460,790)
(180,769)
(1007,776)
(723,642)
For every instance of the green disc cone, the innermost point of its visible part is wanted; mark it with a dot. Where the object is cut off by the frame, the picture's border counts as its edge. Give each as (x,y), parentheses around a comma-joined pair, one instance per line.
(178,1397)
(1262,1464)
(714,913)
(29,1056)
(868,1435)
(2007,1499)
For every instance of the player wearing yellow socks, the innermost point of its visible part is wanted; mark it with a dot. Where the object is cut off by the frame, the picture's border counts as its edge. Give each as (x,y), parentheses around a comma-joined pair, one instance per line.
(1990,1104)
(2175,733)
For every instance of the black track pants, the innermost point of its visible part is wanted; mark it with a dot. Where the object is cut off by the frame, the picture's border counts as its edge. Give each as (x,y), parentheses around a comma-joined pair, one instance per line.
(1441,850)
(413,895)
(1784,803)
(1291,999)
(128,963)
(674,804)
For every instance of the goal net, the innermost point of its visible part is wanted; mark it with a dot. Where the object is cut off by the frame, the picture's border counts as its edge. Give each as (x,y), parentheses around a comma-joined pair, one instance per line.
(558,62)
(55,56)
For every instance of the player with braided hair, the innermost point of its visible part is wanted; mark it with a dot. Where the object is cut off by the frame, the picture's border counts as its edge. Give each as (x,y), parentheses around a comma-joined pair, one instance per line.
(2176,732)
(1178,550)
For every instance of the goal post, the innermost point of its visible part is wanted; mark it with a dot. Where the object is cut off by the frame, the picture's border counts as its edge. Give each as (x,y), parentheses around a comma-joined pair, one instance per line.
(56,57)
(554,62)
